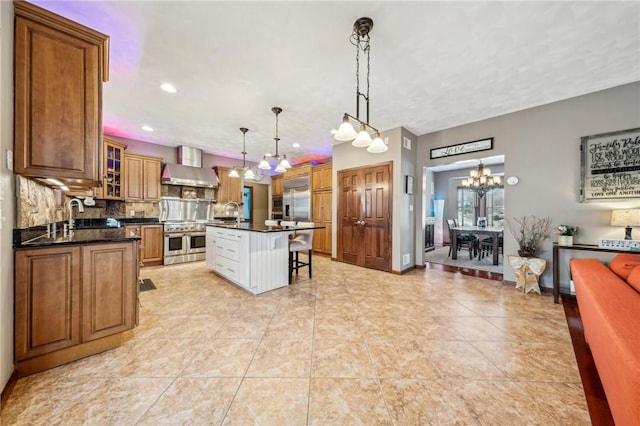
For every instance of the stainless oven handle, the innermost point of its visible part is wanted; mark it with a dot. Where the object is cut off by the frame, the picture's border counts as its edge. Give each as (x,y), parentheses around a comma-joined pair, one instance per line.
(173,235)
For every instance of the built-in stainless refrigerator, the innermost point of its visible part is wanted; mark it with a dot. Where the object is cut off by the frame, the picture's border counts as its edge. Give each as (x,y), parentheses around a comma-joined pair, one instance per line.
(296,199)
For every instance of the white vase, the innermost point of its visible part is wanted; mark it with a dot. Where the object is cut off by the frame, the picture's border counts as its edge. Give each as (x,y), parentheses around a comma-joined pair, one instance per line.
(565,240)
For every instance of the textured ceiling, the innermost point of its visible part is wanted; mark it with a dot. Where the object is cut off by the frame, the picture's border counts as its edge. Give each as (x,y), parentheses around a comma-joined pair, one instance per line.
(434,65)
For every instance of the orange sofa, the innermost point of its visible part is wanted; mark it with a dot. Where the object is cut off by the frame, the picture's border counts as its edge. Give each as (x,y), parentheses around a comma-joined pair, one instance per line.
(609,305)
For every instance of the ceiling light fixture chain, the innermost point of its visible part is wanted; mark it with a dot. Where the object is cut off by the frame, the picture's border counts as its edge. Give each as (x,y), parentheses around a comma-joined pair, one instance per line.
(248,173)
(283,163)
(360,38)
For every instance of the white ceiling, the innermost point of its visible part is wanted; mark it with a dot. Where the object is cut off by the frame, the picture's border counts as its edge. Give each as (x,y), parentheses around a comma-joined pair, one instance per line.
(434,65)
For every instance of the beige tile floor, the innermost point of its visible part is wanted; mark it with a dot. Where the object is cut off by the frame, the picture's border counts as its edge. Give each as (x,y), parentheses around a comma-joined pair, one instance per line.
(350,346)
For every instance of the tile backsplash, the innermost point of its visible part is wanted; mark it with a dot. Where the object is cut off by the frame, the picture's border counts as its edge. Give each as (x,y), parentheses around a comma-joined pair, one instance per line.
(39,205)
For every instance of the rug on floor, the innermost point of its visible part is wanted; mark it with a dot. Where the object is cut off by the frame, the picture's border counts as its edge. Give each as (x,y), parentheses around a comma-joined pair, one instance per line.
(147,284)
(441,255)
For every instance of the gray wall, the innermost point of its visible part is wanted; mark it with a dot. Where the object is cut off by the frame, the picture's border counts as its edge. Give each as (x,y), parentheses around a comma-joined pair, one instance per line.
(7,193)
(541,147)
(345,156)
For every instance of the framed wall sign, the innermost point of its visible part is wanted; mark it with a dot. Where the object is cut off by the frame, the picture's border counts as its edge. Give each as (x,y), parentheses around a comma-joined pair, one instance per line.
(408,187)
(610,166)
(462,148)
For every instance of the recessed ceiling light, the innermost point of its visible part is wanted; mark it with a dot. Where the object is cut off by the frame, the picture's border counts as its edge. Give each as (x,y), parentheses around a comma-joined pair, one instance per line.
(147,128)
(168,87)
(296,145)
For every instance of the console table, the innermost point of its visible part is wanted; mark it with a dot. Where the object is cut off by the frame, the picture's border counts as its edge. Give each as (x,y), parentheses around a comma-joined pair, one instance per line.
(556,262)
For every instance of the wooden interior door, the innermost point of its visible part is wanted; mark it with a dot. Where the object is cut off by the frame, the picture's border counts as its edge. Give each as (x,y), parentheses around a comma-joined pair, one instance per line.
(364,216)
(377,218)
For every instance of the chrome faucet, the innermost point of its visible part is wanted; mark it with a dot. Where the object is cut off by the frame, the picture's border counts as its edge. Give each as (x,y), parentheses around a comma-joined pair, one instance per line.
(78,202)
(237,208)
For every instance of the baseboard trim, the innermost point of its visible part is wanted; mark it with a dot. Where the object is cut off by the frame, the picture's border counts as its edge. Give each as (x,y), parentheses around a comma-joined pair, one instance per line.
(64,356)
(8,388)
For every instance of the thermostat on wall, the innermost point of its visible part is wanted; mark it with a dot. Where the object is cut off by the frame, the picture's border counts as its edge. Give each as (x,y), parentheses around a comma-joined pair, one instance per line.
(512,180)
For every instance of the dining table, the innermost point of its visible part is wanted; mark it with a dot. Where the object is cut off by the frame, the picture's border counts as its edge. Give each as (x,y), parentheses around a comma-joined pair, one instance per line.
(495,232)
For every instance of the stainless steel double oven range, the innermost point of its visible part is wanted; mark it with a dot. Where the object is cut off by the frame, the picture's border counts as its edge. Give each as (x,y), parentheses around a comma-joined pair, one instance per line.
(184,228)
(183,242)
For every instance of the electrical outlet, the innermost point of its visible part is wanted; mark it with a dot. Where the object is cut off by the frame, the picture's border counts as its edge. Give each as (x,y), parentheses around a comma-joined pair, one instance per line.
(406,258)
(132,213)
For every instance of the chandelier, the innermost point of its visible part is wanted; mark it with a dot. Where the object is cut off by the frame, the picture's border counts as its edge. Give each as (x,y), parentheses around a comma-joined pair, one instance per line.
(480,180)
(283,164)
(346,133)
(248,173)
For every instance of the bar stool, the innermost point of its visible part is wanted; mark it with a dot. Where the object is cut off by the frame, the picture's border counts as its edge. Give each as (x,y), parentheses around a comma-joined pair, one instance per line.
(302,241)
(270,222)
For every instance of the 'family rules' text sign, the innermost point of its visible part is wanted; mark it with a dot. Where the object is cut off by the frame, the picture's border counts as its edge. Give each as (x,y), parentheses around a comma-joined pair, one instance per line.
(610,166)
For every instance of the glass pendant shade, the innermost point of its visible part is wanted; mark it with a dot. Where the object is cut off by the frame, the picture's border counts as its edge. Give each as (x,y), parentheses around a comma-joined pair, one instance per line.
(285,163)
(248,174)
(233,173)
(377,146)
(264,165)
(363,139)
(346,132)
(280,168)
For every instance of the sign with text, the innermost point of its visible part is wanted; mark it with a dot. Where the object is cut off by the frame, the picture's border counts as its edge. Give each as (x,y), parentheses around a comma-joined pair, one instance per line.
(610,166)
(462,148)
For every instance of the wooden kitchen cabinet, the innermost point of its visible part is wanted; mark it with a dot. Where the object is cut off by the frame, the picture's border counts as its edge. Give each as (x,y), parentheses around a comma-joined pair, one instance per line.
(72,301)
(298,170)
(321,177)
(59,69)
(47,300)
(142,181)
(321,216)
(109,290)
(151,242)
(277,186)
(321,207)
(113,171)
(229,189)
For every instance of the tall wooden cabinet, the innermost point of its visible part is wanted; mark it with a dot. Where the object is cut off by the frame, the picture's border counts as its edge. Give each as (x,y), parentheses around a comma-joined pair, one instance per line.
(321,207)
(142,181)
(277,185)
(72,301)
(60,66)
(229,189)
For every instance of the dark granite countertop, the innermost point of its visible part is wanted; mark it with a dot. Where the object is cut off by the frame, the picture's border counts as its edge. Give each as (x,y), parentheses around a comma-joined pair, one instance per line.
(42,236)
(246,226)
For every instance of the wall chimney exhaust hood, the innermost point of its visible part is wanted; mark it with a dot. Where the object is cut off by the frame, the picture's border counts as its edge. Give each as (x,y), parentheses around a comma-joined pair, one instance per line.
(189,171)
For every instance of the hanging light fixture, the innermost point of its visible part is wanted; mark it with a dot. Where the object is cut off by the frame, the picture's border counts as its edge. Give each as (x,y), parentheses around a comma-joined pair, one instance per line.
(247,172)
(346,133)
(283,163)
(480,180)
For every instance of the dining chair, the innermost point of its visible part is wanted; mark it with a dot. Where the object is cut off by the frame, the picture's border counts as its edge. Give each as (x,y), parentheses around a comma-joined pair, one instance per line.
(468,241)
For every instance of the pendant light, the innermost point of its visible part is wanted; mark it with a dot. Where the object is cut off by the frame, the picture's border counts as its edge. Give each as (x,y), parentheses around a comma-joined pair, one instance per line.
(346,132)
(283,164)
(247,172)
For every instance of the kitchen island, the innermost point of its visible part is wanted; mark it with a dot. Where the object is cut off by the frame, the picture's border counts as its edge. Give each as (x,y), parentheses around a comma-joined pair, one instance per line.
(254,257)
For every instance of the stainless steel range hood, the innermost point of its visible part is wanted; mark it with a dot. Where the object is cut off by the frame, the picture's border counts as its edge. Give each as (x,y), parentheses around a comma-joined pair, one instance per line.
(189,171)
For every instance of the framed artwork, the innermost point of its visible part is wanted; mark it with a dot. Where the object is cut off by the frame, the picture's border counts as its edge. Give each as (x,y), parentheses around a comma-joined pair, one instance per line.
(408,187)
(462,148)
(610,166)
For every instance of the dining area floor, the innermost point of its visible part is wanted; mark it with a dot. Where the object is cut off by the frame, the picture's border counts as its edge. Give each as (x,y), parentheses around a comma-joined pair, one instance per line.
(349,346)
